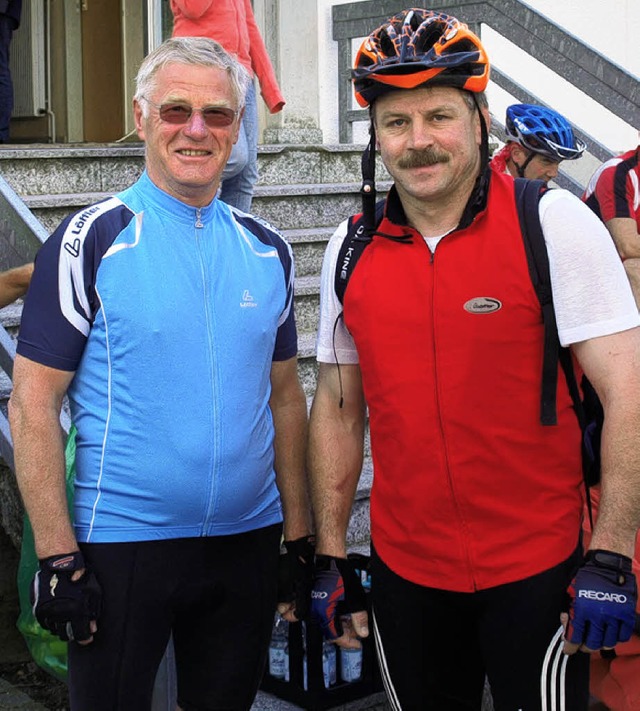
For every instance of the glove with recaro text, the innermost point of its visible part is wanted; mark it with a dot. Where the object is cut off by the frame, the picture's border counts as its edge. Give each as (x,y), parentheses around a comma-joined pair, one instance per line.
(603,606)
(63,606)
(295,574)
(336,591)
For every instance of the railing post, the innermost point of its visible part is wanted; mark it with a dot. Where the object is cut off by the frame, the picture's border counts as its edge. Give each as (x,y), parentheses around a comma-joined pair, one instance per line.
(344,90)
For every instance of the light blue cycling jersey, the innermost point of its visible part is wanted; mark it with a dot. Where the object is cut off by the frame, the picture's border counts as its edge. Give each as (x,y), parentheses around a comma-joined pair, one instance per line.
(170,317)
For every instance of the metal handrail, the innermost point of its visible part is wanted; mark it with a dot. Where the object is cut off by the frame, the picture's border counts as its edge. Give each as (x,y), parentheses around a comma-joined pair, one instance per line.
(21,235)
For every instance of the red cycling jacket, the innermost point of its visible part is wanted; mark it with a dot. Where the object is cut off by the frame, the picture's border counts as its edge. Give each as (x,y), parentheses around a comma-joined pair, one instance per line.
(470,491)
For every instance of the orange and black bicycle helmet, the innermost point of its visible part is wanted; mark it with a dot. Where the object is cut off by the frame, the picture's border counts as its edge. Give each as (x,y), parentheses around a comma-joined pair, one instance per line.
(417,48)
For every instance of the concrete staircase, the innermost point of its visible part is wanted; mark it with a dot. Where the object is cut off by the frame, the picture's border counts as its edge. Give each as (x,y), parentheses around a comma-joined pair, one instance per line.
(304,191)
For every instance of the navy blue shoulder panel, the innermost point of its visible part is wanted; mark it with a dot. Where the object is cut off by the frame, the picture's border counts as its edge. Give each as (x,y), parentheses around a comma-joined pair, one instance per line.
(62,301)
(267,234)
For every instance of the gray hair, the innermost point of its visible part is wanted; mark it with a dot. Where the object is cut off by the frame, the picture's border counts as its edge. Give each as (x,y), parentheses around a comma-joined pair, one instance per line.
(480,97)
(196,51)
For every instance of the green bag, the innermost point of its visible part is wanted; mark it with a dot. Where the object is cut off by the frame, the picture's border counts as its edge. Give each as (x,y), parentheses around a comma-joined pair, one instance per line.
(47,650)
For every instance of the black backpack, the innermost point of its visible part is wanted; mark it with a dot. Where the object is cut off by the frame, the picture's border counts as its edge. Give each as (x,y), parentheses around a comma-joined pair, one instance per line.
(585,400)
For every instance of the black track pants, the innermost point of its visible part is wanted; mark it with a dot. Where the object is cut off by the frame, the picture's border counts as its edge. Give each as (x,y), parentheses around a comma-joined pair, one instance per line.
(435,647)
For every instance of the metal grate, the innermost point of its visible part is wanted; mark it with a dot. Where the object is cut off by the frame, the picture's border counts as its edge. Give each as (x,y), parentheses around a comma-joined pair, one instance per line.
(28,69)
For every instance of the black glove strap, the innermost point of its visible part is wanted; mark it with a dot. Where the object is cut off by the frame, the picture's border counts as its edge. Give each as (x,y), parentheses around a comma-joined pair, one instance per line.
(302,548)
(66,563)
(613,562)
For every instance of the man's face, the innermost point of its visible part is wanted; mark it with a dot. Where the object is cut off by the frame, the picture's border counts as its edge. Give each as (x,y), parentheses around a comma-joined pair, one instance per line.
(429,141)
(187,160)
(539,167)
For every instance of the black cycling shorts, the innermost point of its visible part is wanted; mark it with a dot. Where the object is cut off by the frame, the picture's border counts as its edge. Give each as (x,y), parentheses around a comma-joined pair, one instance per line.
(435,647)
(216,596)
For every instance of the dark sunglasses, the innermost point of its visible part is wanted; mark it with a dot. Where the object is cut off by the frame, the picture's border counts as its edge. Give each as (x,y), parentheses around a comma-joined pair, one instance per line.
(180,114)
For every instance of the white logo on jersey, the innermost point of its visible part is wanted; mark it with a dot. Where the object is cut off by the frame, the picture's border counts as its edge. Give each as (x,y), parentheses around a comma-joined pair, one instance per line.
(247,300)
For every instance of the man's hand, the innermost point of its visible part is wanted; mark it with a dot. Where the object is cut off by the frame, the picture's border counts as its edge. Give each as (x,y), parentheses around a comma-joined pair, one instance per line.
(603,603)
(295,575)
(66,597)
(337,592)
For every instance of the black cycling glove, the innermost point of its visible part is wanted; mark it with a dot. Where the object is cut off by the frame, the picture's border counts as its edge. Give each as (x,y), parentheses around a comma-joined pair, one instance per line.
(603,605)
(336,591)
(295,574)
(61,605)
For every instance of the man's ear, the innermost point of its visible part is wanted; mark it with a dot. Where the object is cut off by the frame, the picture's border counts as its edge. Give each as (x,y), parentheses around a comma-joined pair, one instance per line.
(518,154)
(138,119)
(484,112)
(238,125)
(487,117)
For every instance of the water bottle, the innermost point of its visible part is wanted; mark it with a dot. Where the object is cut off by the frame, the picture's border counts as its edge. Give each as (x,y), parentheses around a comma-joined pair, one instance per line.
(278,648)
(350,664)
(287,676)
(329,664)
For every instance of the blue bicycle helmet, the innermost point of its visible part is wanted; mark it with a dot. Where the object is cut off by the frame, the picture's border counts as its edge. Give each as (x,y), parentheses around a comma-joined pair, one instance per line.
(544,131)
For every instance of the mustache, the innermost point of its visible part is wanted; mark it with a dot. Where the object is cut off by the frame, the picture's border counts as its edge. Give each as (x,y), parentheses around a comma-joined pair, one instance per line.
(423,158)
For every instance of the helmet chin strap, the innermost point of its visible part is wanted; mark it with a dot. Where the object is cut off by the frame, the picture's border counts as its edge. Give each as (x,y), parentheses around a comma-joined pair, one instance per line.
(484,136)
(368,189)
(523,167)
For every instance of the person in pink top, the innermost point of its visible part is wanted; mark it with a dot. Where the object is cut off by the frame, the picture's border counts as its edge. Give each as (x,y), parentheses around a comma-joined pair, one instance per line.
(233,25)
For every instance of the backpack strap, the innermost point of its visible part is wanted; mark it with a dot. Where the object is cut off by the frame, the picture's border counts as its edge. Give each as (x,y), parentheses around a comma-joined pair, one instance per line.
(353,245)
(528,194)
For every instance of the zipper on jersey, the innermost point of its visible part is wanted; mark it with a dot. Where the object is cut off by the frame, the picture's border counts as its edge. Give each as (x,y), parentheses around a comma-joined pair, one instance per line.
(209,316)
(445,445)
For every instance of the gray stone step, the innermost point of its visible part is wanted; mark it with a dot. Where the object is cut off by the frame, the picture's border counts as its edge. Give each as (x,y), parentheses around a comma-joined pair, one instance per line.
(110,168)
(286,207)
(307,364)
(312,164)
(308,248)
(307,303)
(308,205)
(67,169)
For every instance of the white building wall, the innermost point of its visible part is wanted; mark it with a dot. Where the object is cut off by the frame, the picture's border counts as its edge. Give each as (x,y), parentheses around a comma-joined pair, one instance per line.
(611,27)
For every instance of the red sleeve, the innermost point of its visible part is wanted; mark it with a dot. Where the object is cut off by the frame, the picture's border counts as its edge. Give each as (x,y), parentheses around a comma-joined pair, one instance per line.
(193,9)
(614,193)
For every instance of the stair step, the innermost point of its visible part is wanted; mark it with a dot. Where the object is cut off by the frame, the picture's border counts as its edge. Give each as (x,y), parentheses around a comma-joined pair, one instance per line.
(310,234)
(112,167)
(286,206)
(308,248)
(307,303)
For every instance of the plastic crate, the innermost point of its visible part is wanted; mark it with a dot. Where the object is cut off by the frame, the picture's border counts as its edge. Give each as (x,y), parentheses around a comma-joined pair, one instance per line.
(317,697)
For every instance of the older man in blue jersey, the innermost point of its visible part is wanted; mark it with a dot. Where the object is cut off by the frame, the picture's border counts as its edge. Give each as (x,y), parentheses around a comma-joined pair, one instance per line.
(167,318)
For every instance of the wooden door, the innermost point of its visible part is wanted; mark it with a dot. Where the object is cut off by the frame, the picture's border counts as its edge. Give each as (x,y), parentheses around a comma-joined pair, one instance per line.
(102,90)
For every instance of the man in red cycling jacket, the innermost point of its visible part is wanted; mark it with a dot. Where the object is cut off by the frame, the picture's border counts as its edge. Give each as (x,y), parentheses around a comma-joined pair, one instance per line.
(475,507)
